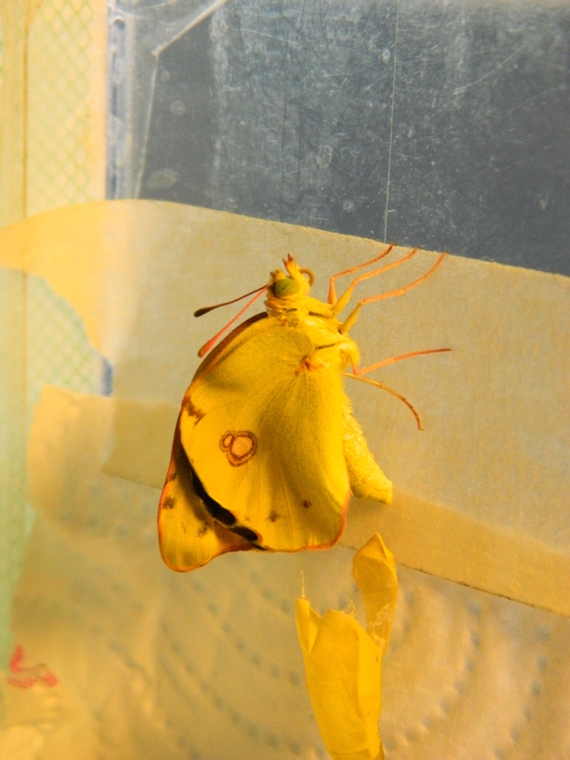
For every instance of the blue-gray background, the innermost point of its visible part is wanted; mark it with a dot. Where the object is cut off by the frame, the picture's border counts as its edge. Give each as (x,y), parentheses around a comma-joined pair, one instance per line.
(438,123)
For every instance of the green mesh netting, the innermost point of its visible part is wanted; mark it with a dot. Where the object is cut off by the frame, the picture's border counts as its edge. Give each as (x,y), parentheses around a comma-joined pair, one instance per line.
(59,83)
(43,340)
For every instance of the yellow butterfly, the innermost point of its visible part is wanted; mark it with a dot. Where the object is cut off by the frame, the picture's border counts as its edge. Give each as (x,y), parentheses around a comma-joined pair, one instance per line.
(266,452)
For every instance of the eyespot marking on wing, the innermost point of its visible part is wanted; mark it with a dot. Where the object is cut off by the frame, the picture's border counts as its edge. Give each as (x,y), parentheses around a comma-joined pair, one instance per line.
(239,446)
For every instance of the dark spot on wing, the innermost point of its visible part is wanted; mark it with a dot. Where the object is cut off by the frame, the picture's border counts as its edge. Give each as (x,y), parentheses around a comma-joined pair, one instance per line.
(247,533)
(307,504)
(169,502)
(273,516)
(203,530)
(191,410)
(212,507)
(222,515)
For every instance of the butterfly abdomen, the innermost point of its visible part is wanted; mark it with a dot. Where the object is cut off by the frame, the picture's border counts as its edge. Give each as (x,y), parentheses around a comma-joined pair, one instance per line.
(367,480)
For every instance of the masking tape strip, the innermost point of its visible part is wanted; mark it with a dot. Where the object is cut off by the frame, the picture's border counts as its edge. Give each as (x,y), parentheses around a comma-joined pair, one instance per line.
(448,544)
(493,450)
(423,536)
(143,433)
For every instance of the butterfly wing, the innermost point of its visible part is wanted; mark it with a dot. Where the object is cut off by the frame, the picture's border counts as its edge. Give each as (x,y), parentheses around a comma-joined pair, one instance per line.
(188,536)
(263,433)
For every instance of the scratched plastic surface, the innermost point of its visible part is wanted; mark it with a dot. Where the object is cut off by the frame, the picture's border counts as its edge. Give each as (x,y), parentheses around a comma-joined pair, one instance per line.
(438,124)
(441,124)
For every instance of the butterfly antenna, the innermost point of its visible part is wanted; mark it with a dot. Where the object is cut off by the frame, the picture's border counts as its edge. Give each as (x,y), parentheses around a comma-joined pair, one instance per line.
(207,346)
(401,291)
(206,309)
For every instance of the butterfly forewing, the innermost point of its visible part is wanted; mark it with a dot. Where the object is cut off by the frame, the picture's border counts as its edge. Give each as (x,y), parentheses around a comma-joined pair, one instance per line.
(263,432)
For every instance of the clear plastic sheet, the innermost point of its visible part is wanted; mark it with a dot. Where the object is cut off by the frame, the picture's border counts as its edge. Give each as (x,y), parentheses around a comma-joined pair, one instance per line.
(446,128)
(420,121)
(211,642)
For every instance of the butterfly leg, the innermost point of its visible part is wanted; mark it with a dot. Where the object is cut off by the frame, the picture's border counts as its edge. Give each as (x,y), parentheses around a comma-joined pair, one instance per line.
(394,359)
(345,298)
(324,356)
(353,316)
(356,374)
(332,294)
(389,390)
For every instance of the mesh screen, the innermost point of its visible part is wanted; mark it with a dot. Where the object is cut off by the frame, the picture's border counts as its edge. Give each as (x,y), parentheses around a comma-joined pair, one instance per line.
(42,340)
(59,75)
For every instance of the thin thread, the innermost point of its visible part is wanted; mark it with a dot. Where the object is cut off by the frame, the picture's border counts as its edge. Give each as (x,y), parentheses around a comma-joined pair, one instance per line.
(391,121)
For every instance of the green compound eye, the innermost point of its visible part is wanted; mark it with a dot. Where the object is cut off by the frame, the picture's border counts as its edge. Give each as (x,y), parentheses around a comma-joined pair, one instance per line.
(286,287)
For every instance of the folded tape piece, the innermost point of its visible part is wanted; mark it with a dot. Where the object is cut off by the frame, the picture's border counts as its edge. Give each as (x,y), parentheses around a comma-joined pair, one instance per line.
(494,450)
(424,536)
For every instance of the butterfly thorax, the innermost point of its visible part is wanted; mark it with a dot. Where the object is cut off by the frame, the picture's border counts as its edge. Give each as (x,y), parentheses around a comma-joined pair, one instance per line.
(317,320)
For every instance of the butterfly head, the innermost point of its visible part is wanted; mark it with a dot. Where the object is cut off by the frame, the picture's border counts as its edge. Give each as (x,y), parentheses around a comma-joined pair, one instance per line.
(292,285)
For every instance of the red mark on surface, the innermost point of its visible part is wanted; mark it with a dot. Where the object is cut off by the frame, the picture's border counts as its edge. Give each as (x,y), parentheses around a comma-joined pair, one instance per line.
(23,677)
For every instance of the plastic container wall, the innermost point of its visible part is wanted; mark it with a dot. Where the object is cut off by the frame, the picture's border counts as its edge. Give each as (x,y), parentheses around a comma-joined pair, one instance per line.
(440,122)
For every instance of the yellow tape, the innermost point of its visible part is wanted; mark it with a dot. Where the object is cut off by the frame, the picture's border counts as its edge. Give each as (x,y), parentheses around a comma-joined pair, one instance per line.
(481,493)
